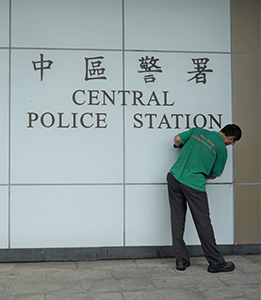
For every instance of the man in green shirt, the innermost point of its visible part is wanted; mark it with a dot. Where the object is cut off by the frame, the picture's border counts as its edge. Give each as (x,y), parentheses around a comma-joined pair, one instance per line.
(203,156)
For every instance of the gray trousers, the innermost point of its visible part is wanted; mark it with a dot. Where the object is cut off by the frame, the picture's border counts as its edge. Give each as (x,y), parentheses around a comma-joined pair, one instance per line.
(179,196)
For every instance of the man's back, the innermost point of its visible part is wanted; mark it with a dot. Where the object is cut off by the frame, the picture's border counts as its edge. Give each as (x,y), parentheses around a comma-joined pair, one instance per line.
(203,153)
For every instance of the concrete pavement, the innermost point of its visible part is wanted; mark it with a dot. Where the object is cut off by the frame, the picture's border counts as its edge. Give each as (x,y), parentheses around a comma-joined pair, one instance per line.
(139,279)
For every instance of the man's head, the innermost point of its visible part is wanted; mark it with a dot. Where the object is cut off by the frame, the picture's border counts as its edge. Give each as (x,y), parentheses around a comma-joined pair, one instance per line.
(231,133)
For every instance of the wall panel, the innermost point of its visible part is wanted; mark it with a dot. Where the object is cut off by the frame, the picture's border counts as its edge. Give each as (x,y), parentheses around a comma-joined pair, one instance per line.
(66,216)
(148,209)
(67,24)
(4,23)
(163,25)
(4,115)
(64,138)
(247,214)
(4,217)
(246,30)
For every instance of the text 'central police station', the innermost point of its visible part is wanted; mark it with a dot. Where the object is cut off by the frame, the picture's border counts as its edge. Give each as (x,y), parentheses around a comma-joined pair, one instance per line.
(100,120)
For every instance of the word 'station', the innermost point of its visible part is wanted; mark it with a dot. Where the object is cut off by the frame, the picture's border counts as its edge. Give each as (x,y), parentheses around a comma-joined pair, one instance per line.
(94,70)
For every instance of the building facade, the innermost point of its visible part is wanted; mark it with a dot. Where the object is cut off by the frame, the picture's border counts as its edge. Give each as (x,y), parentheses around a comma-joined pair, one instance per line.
(92,94)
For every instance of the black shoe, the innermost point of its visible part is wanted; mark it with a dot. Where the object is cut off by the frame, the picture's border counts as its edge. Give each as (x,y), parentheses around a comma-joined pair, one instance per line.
(223,267)
(182,264)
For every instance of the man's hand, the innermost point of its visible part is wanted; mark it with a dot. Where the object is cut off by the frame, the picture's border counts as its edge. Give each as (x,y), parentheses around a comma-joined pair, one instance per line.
(177,142)
(180,146)
(210,176)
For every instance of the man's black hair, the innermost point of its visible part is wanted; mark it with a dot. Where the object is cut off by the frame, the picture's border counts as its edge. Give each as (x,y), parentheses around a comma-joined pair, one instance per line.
(232,130)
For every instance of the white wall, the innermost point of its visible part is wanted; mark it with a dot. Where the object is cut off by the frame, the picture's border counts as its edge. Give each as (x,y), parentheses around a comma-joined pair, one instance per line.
(78,172)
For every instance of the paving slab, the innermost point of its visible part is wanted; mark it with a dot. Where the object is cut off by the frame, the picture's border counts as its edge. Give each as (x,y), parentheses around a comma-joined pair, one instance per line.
(184,282)
(26,297)
(117,285)
(4,286)
(228,293)
(89,296)
(32,289)
(143,271)
(169,294)
(81,274)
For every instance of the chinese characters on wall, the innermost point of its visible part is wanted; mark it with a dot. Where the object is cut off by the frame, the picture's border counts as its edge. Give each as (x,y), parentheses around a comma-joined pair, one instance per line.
(148,65)
(42,65)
